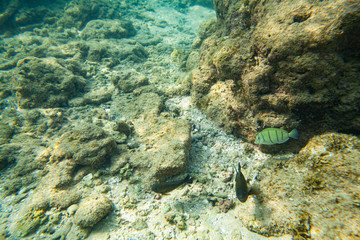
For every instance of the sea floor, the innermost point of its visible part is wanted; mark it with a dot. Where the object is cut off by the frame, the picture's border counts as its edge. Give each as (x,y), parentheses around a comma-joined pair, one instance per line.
(130,101)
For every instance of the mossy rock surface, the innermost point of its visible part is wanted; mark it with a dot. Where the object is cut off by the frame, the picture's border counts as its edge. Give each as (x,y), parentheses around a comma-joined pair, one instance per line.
(44,83)
(5,133)
(27,222)
(107,28)
(289,62)
(86,144)
(91,210)
(291,194)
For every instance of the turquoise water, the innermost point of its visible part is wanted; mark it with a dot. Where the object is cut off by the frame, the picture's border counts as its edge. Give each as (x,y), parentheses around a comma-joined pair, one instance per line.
(103,100)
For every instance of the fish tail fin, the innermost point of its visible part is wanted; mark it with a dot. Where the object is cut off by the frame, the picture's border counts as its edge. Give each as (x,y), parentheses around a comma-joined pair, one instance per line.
(251,191)
(188,179)
(294,134)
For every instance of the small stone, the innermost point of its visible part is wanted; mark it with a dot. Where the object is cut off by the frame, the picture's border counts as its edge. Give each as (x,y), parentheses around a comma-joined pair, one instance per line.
(228,176)
(103,188)
(225,205)
(89,180)
(157,196)
(139,224)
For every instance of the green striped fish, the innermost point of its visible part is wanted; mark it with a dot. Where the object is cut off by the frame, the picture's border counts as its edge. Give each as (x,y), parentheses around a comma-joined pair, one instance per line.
(270,136)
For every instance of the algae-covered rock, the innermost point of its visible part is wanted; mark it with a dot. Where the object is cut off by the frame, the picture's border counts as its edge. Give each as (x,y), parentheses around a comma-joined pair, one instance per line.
(176,219)
(114,51)
(166,140)
(91,210)
(5,153)
(129,80)
(139,224)
(182,5)
(108,28)
(44,83)
(28,16)
(5,133)
(27,222)
(207,28)
(93,98)
(7,10)
(312,195)
(285,63)
(78,233)
(63,231)
(146,106)
(78,13)
(61,173)
(85,145)
(170,146)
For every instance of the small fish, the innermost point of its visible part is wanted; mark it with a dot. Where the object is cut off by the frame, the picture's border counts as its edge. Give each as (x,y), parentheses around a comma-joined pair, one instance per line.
(167,186)
(270,136)
(241,188)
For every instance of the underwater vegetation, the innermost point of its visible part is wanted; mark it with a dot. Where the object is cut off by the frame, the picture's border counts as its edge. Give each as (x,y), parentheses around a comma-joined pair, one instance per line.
(124,119)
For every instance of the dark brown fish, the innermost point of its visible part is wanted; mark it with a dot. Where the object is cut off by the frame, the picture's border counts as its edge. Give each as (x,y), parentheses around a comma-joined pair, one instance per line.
(241,188)
(167,186)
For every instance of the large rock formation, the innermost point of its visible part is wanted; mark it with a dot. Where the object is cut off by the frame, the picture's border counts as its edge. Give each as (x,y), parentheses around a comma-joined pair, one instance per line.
(165,141)
(44,83)
(281,64)
(314,195)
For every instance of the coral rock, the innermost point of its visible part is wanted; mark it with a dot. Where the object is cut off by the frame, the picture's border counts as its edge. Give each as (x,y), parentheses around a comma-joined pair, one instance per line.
(288,61)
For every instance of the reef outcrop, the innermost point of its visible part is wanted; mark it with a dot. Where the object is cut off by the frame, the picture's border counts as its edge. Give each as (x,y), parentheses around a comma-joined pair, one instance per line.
(313,195)
(281,64)
(9,10)
(44,83)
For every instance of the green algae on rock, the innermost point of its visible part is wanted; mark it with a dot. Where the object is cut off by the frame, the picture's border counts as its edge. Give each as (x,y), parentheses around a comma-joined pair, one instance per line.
(5,133)
(107,28)
(44,83)
(85,144)
(176,219)
(10,10)
(169,143)
(129,80)
(103,50)
(78,13)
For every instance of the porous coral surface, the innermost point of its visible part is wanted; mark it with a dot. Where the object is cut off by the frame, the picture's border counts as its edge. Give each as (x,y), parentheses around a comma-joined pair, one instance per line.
(281,64)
